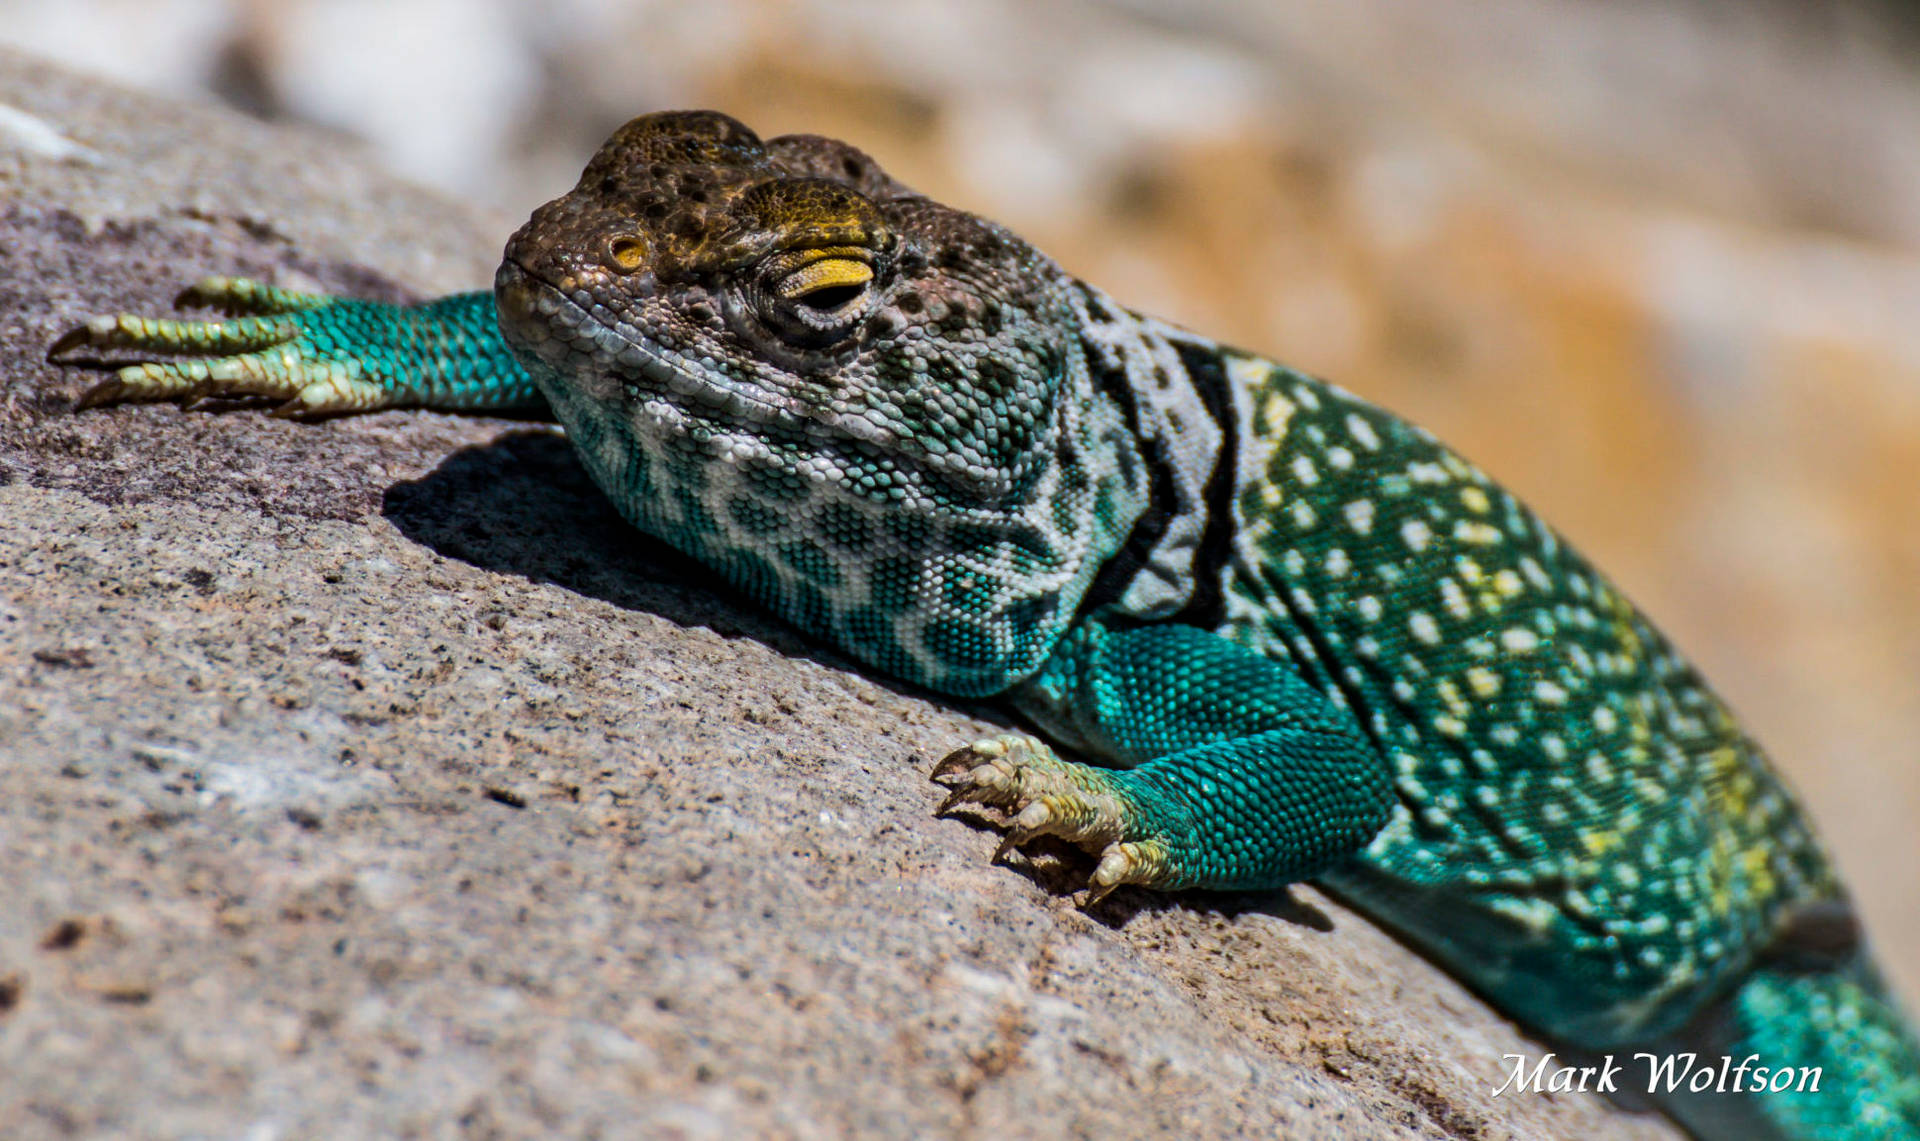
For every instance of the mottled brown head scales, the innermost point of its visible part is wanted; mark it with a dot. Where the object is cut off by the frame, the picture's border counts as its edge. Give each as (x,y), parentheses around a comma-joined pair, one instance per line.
(797,270)
(688,193)
(872,411)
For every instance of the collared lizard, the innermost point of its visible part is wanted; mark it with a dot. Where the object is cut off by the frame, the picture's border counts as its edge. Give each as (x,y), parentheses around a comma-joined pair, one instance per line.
(1296,636)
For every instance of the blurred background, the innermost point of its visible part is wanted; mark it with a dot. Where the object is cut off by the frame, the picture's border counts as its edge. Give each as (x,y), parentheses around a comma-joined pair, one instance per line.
(1655,265)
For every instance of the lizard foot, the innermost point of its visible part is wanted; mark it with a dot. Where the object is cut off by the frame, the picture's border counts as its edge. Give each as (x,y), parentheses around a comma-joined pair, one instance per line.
(258,351)
(1046,796)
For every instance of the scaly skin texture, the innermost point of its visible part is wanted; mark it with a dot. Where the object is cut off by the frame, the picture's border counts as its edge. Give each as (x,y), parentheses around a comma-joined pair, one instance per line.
(1296,636)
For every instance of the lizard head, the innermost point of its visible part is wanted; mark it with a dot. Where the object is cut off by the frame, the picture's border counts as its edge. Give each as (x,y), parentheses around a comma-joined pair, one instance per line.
(869,410)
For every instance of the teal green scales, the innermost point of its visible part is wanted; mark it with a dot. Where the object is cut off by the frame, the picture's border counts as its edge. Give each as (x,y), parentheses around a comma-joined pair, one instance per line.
(1298,636)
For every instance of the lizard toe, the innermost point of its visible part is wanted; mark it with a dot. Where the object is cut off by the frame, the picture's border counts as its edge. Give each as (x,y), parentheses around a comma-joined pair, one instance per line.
(1043,795)
(239,295)
(1146,862)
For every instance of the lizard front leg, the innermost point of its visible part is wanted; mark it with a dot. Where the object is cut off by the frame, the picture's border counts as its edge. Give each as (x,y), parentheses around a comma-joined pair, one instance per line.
(1240,775)
(320,355)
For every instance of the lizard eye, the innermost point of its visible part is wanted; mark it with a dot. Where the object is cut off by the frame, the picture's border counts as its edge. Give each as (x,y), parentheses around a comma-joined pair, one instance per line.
(827,284)
(814,297)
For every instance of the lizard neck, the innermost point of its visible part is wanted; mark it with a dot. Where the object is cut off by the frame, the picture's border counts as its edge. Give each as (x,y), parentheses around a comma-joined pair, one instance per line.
(1175,390)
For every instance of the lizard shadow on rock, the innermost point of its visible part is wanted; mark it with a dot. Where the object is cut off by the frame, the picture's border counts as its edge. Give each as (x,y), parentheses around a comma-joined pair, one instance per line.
(1118,909)
(1061,869)
(523,505)
(1282,904)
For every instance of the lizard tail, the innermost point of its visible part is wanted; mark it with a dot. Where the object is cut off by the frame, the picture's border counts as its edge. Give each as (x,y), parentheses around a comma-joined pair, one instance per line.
(1811,1053)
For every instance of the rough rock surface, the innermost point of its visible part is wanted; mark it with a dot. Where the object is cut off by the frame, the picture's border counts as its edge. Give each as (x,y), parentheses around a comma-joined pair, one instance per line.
(371,779)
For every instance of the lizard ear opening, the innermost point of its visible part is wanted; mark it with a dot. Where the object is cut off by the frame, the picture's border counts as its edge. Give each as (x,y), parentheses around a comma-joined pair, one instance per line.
(626,254)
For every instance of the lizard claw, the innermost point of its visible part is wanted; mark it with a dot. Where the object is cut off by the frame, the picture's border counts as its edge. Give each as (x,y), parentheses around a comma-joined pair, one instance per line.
(985,772)
(967,757)
(173,380)
(1013,839)
(964,794)
(1129,862)
(74,338)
